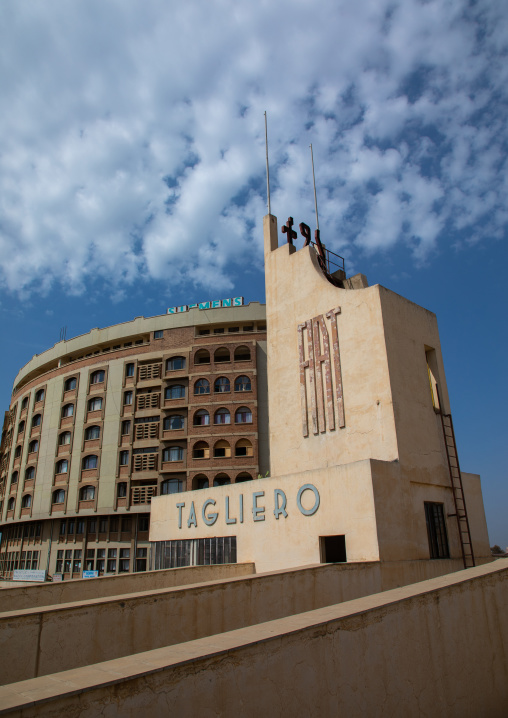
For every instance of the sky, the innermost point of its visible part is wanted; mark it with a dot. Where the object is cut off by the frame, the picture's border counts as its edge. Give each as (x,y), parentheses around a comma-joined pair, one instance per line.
(132,169)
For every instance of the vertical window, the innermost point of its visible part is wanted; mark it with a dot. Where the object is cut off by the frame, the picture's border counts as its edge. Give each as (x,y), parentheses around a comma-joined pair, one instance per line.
(436,530)
(129,370)
(122,490)
(126,428)
(158,334)
(127,398)
(124,458)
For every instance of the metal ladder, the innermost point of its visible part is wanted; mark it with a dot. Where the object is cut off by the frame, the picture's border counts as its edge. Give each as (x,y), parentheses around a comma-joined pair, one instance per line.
(458,491)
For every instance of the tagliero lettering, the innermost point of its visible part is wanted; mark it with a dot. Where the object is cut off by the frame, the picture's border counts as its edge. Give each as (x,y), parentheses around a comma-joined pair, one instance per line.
(255,507)
(213,304)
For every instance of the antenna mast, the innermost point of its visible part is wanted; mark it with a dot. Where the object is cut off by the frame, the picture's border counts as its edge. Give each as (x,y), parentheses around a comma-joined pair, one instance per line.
(314,180)
(267,168)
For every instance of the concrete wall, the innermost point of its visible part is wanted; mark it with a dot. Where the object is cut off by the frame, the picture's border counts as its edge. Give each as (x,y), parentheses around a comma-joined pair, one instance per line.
(16,597)
(436,648)
(41,641)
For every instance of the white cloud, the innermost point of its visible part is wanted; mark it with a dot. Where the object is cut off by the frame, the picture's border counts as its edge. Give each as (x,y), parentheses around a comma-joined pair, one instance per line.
(132,147)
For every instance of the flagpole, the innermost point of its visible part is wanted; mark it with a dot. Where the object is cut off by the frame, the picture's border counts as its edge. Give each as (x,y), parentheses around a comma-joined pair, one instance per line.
(267,168)
(314,181)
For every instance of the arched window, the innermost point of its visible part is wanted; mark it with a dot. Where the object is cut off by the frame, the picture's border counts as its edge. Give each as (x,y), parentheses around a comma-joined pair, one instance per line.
(21,427)
(33,446)
(30,473)
(90,462)
(64,438)
(62,466)
(242,383)
(124,458)
(17,451)
(221,480)
(59,496)
(24,403)
(243,447)
(97,377)
(200,450)
(202,356)
(26,501)
(222,385)
(87,493)
(221,355)
(70,383)
(222,416)
(243,415)
(177,391)
(244,476)
(202,386)
(39,395)
(37,419)
(95,404)
(177,421)
(122,490)
(14,478)
(92,432)
(221,449)
(11,503)
(129,369)
(173,453)
(201,418)
(200,482)
(67,410)
(127,398)
(175,363)
(242,354)
(171,486)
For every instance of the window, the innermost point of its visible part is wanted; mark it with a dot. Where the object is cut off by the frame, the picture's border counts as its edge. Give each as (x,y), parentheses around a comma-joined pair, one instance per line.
(26,501)
(127,398)
(221,355)
(222,416)
(124,458)
(221,480)
(24,403)
(37,419)
(33,446)
(143,522)
(242,354)
(175,363)
(243,415)
(201,418)
(202,332)
(158,334)
(80,527)
(436,530)
(17,452)
(30,473)
(63,527)
(64,438)
(141,555)
(59,498)
(92,432)
(39,395)
(90,462)
(92,526)
(10,504)
(171,486)
(87,493)
(103,528)
(126,428)
(70,384)
(14,478)
(248,327)
(70,529)
(95,404)
(243,447)
(218,330)
(21,427)
(233,329)
(221,449)
(244,476)
(61,466)
(113,525)
(202,386)
(242,383)
(177,391)
(222,385)
(202,356)
(200,482)
(171,423)
(173,453)
(76,564)
(124,560)
(129,369)
(97,377)
(67,410)
(122,490)
(201,450)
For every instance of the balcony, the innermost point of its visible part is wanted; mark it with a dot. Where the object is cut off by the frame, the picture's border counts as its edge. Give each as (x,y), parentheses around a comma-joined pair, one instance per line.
(142,494)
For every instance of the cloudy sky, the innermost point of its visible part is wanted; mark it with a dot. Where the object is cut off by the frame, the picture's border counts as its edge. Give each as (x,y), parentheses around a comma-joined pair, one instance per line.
(132,168)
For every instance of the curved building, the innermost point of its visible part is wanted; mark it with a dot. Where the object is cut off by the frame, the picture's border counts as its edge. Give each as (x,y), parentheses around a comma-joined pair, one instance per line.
(101,423)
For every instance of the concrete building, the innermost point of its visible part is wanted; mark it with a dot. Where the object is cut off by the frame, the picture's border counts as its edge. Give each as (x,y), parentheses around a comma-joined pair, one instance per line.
(100,424)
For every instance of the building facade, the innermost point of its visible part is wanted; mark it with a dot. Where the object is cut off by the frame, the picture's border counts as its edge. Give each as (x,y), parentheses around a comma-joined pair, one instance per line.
(102,423)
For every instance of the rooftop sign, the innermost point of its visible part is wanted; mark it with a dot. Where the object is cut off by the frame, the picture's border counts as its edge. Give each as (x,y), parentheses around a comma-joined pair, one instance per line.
(213,304)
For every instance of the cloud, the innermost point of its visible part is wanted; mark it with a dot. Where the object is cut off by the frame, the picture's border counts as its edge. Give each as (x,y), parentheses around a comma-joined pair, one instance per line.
(133,145)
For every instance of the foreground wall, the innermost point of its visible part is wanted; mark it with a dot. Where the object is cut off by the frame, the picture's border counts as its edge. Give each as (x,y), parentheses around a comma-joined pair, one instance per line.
(435,648)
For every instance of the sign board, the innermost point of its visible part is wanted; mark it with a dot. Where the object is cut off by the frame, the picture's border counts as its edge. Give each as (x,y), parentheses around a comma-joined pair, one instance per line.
(57,577)
(22,575)
(90,574)
(213,304)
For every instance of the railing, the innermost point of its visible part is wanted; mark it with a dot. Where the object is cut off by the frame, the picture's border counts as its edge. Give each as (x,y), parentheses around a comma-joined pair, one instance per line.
(145,462)
(150,371)
(148,401)
(143,494)
(147,431)
(333,261)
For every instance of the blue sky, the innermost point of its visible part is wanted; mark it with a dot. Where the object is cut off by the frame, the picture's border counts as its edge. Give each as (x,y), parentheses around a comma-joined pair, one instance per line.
(132,169)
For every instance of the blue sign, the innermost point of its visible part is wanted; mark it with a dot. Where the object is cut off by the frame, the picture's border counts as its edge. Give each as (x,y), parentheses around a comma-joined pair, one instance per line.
(90,574)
